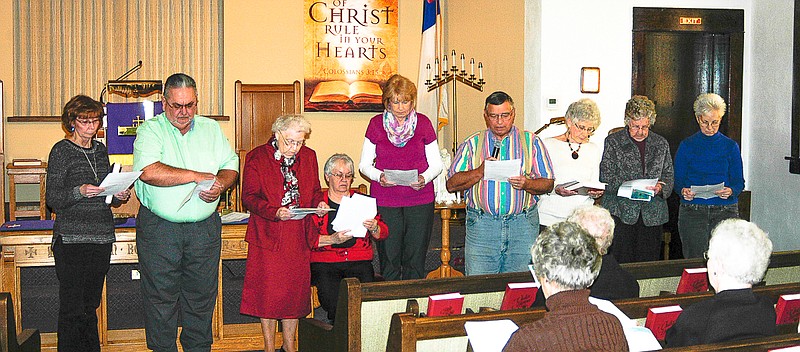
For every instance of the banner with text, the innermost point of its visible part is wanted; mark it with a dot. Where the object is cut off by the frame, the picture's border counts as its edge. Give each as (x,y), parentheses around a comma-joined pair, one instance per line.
(350,52)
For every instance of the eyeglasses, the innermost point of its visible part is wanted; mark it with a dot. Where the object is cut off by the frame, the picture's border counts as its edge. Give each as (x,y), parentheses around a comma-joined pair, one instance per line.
(291,143)
(705,255)
(639,128)
(87,122)
(343,176)
(503,116)
(588,130)
(713,123)
(187,106)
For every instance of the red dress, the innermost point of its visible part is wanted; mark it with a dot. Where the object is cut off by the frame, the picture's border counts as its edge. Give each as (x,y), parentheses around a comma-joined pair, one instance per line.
(277,279)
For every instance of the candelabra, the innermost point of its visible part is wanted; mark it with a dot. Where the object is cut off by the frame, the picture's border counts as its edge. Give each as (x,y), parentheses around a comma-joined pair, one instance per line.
(453,74)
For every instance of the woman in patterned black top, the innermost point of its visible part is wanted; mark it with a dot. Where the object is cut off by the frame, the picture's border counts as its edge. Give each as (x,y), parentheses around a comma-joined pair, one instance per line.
(83,232)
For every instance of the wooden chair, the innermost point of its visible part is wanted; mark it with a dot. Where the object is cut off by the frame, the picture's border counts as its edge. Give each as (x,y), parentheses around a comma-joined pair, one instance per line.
(28,340)
(26,175)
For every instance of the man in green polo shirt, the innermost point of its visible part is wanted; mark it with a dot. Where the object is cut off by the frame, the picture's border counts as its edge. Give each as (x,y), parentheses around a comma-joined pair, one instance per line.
(178,241)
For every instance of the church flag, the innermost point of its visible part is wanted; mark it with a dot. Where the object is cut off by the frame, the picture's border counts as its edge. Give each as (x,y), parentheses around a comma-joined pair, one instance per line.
(433,103)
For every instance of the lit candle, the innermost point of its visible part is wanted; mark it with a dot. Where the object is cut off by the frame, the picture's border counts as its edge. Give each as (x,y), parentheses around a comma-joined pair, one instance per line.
(454,57)
(472,66)
(480,70)
(444,65)
(462,62)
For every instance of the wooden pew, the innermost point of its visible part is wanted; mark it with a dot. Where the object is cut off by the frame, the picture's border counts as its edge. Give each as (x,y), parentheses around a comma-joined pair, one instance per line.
(28,340)
(364,311)
(759,344)
(407,332)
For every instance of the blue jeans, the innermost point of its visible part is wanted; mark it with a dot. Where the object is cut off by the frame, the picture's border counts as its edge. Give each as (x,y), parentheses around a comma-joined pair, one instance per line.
(499,243)
(695,222)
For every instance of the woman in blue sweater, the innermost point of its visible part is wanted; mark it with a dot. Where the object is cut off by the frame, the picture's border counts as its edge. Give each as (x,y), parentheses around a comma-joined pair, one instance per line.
(706,158)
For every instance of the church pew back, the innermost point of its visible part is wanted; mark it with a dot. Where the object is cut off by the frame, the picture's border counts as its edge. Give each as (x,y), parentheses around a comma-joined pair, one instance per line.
(409,333)
(364,310)
(751,345)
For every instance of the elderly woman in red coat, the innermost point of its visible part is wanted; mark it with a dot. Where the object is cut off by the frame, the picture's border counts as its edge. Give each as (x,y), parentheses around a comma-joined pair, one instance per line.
(279,176)
(340,255)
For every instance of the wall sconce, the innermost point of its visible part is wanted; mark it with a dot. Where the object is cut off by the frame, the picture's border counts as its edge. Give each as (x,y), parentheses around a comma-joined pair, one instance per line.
(590,80)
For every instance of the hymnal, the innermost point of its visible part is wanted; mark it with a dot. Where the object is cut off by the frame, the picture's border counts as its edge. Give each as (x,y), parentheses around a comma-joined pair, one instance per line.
(342,92)
(693,280)
(519,295)
(26,162)
(660,319)
(445,304)
(788,309)
(583,188)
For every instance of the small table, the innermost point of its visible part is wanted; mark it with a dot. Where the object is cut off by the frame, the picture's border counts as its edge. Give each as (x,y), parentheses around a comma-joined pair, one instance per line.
(445,270)
(26,175)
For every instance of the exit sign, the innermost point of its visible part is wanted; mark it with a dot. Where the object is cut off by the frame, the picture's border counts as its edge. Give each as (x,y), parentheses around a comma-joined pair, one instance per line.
(691,20)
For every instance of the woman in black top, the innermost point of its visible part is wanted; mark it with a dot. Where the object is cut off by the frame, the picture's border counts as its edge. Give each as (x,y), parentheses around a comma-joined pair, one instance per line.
(83,232)
(738,256)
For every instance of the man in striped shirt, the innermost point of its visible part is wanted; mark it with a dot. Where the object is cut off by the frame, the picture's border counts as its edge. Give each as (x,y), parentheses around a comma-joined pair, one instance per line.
(502,219)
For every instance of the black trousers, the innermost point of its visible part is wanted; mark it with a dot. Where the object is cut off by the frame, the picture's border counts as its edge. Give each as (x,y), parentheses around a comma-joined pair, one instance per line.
(637,242)
(403,253)
(81,270)
(327,276)
(179,263)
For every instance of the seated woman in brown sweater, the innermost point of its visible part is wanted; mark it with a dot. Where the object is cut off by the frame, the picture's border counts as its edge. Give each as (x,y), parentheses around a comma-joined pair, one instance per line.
(567,262)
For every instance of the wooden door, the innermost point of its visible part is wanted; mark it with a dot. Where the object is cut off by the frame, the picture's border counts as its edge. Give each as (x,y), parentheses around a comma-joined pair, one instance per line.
(257,107)
(679,54)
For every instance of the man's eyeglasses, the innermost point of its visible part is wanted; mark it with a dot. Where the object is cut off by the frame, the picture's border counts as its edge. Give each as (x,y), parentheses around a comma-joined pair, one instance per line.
(187,106)
(291,143)
(343,176)
(639,128)
(503,116)
(87,122)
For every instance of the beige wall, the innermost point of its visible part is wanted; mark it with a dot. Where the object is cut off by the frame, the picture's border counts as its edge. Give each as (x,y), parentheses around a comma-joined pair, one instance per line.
(264,44)
(492,34)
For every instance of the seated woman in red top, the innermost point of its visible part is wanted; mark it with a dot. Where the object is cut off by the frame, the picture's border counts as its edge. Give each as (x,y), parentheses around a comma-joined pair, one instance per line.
(339,255)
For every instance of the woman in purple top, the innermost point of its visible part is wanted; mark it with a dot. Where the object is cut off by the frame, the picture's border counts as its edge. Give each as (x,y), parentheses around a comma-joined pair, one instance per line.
(402,139)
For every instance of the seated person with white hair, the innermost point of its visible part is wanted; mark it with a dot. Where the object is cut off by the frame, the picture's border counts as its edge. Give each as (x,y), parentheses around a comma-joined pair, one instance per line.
(567,262)
(612,282)
(738,256)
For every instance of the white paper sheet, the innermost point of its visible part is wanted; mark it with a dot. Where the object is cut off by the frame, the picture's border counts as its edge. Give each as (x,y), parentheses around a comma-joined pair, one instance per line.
(639,338)
(401,177)
(501,170)
(489,335)
(637,189)
(707,191)
(353,211)
(204,185)
(116,182)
